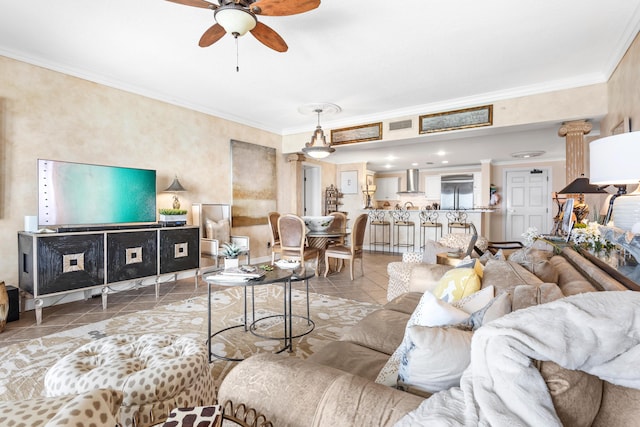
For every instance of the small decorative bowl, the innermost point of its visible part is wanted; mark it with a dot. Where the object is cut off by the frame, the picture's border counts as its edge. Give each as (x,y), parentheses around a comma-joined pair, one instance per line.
(318,223)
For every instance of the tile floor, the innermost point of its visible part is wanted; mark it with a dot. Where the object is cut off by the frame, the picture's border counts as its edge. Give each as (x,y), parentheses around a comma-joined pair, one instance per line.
(372,287)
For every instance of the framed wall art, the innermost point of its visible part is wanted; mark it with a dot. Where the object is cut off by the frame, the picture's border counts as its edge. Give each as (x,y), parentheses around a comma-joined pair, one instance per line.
(457,119)
(349,182)
(253,183)
(370,132)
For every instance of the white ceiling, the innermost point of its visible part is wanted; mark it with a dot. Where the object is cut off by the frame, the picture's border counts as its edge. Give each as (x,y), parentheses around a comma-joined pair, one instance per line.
(375,59)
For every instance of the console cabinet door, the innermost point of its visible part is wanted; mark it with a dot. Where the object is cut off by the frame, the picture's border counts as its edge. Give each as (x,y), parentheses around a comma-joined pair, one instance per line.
(69,262)
(179,249)
(131,255)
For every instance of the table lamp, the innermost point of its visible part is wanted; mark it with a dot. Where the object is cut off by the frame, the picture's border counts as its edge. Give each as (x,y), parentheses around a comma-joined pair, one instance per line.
(175,187)
(615,161)
(581,186)
(369,190)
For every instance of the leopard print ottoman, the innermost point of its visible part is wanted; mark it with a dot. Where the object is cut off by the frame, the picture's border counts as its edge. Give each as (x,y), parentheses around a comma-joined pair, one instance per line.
(154,372)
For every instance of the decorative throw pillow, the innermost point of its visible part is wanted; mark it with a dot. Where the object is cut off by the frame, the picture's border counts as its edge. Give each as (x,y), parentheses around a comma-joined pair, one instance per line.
(472,263)
(435,359)
(218,230)
(457,284)
(476,301)
(497,307)
(488,255)
(430,311)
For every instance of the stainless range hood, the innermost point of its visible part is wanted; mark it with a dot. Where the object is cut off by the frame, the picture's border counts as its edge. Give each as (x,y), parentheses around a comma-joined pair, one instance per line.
(413,182)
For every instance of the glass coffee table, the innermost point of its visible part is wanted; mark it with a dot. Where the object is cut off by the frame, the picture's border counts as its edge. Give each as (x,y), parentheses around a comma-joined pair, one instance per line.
(277,275)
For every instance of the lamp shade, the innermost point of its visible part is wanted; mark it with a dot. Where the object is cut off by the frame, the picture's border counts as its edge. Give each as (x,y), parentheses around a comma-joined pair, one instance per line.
(615,159)
(175,186)
(581,186)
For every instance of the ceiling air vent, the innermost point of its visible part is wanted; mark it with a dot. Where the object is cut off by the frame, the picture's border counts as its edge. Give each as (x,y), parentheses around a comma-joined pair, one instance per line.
(402,124)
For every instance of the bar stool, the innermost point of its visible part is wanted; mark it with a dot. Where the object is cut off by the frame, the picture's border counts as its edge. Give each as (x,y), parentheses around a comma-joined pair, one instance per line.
(458,220)
(402,225)
(429,219)
(377,223)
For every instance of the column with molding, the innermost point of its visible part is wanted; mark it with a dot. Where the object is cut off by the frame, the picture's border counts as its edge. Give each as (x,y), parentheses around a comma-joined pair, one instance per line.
(574,133)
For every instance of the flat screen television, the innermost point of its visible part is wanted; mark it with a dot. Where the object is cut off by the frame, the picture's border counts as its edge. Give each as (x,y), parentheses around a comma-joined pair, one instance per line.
(72,194)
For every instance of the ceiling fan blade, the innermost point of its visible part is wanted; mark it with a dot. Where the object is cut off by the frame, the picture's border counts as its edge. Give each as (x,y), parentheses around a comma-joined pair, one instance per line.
(212,35)
(269,38)
(283,7)
(196,3)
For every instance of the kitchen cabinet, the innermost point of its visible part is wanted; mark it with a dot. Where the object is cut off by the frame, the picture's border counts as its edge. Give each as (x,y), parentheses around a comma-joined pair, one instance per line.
(387,188)
(432,188)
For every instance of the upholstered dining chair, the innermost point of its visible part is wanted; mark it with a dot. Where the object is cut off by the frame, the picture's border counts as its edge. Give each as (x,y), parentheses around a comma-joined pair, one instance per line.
(339,224)
(352,252)
(292,230)
(272,217)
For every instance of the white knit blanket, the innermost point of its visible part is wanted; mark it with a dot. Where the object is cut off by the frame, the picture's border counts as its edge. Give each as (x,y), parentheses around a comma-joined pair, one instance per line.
(598,333)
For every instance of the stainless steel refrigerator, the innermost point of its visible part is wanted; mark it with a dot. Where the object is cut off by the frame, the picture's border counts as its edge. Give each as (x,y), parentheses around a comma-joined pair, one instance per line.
(456,192)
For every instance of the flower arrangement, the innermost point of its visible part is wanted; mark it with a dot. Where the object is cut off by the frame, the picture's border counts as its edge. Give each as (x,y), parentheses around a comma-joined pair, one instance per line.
(530,236)
(588,237)
(230,250)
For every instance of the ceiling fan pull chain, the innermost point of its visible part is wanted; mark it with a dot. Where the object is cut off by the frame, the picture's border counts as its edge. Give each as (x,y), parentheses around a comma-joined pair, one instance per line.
(237,57)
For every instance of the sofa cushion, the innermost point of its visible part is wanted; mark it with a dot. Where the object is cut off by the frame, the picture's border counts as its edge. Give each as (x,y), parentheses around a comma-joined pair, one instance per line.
(570,281)
(527,295)
(426,277)
(506,275)
(350,357)
(457,284)
(380,330)
(435,359)
(405,303)
(537,262)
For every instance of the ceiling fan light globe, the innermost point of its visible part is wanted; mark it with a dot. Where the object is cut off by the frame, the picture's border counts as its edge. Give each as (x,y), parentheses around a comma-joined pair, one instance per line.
(235,21)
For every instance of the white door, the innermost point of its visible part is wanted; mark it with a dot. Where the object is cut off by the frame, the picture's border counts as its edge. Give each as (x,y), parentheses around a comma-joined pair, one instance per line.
(527,200)
(312,193)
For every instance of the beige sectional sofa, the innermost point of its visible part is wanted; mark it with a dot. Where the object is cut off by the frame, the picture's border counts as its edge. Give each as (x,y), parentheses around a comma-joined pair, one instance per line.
(336,385)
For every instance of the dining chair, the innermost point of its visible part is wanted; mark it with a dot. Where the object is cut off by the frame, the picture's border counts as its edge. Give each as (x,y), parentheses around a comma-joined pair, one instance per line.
(272,218)
(339,224)
(292,230)
(352,252)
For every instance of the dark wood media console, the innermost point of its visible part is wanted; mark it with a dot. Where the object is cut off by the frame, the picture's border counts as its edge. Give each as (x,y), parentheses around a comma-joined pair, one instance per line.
(59,263)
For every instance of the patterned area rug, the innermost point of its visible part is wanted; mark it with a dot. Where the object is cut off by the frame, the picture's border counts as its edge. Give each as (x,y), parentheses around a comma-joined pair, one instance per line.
(23,365)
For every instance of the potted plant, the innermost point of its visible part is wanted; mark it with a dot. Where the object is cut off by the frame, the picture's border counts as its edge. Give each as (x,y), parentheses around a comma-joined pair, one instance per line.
(174,216)
(230,251)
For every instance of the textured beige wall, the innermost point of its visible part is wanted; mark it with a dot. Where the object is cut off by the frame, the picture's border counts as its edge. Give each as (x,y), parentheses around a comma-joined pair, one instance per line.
(45,114)
(624,91)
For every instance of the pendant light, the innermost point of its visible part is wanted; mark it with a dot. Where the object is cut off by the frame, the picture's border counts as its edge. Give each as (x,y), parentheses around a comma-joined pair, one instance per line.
(318,148)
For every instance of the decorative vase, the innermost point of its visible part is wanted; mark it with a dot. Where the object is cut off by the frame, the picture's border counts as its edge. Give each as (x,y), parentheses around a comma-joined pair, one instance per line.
(4,306)
(230,263)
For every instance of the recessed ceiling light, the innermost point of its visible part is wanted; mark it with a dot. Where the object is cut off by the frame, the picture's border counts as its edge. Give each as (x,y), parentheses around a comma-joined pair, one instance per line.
(441,153)
(527,154)
(387,166)
(444,162)
(414,164)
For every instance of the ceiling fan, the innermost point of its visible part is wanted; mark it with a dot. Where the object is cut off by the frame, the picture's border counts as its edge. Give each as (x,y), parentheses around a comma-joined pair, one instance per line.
(237,17)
